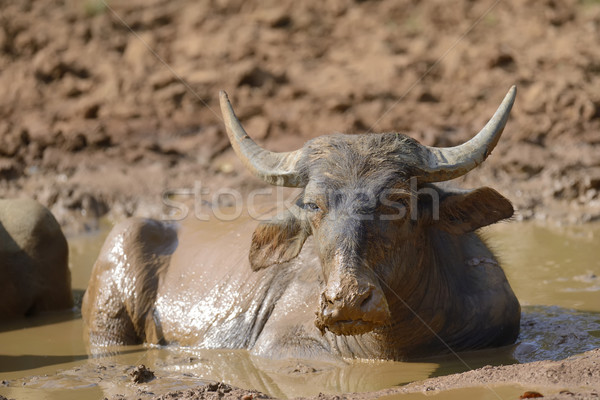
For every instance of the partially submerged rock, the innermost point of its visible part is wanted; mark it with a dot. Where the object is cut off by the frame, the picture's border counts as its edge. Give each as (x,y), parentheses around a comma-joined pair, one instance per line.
(34,267)
(141,374)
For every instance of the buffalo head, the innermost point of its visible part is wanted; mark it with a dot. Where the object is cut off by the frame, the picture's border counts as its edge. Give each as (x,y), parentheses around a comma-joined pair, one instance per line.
(366,200)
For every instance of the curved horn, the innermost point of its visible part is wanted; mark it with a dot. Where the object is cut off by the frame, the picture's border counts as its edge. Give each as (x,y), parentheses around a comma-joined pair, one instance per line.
(278,169)
(449,163)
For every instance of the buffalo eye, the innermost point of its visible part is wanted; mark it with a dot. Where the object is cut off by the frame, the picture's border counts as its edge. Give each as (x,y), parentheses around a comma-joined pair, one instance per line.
(310,207)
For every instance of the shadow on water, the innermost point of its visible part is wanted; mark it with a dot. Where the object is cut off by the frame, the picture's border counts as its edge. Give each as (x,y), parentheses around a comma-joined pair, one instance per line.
(48,318)
(13,363)
(29,361)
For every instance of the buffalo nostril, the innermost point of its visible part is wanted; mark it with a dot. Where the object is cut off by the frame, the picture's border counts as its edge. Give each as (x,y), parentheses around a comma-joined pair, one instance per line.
(367,299)
(326,301)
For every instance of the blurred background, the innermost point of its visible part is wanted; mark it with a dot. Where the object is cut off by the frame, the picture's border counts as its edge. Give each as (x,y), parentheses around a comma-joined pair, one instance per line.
(105,105)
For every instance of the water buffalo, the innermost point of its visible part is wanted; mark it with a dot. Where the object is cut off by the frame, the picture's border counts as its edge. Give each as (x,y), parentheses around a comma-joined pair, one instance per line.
(366,263)
(34,270)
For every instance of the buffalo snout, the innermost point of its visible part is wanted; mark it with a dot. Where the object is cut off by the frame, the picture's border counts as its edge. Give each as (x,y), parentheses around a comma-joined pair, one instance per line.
(352,306)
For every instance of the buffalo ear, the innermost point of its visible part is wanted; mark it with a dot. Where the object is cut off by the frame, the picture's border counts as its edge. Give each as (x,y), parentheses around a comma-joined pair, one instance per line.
(466,211)
(278,240)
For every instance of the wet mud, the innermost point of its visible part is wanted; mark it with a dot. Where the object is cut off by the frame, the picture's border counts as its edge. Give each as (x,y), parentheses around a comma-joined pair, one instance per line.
(560,319)
(108,104)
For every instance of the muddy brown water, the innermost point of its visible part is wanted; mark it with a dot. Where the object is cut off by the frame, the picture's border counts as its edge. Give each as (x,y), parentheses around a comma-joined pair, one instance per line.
(554,272)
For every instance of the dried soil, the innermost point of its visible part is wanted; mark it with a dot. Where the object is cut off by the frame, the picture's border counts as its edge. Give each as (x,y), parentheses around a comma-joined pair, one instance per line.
(106,105)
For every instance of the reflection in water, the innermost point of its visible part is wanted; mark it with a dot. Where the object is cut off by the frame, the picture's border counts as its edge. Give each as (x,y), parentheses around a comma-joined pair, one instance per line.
(554,274)
(178,369)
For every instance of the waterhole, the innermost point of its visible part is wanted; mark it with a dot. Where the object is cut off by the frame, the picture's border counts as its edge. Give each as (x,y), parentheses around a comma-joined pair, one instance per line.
(554,272)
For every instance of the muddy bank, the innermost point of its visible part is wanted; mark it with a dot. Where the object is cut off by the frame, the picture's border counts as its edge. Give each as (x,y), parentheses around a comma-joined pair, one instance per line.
(106,105)
(576,377)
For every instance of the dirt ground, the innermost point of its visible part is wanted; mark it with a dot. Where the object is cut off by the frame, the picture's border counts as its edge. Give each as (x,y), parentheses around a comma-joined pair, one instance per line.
(105,106)
(577,377)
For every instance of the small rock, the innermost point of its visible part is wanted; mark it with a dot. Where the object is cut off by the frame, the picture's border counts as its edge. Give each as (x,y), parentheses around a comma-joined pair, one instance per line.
(141,374)
(218,387)
(212,387)
(303,369)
